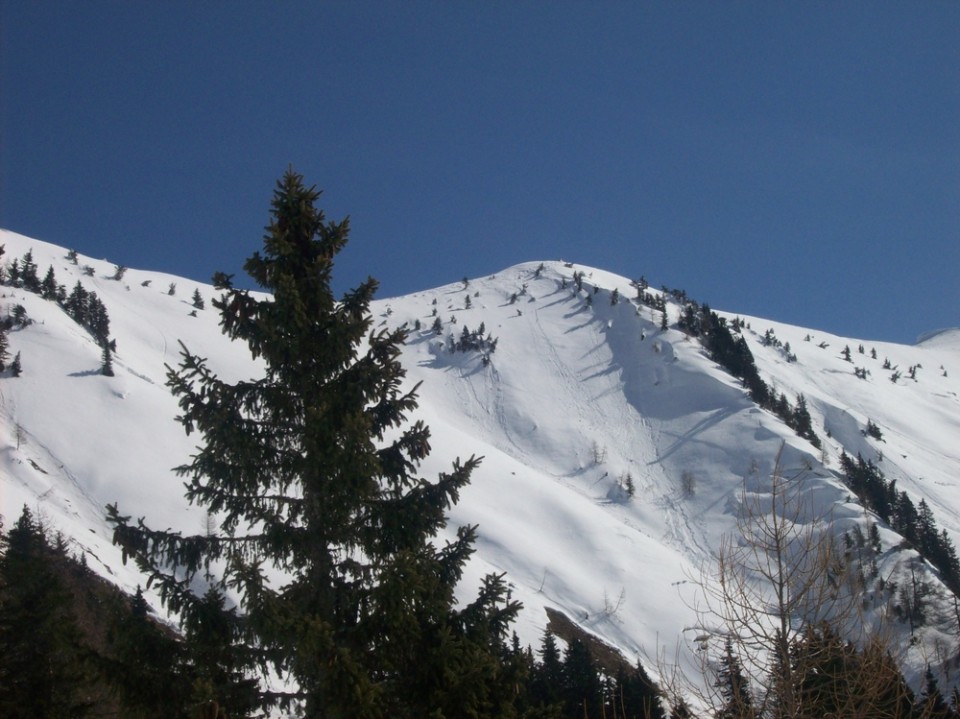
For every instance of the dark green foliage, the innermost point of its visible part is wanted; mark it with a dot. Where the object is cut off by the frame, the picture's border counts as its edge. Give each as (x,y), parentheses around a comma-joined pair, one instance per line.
(198,299)
(735,356)
(76,304)
(20,318)
(931,704)
(16,369)
(634,695)
(144,665)
(28,277)
(836,679)
(215,654)
(547,674)
(689,321)
(4,345)
(735,699)
(106,361)
(584,686)
(581,688)
(71,644)
(87,310)
(873,430)
(49,289)
(896,508)
(42,672)
(640,286)
(13,273)
(801,422)
(364,623)
(474,341)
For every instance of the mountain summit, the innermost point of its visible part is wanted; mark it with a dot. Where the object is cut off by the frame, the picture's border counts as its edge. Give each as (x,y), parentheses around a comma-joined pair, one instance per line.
(619,453)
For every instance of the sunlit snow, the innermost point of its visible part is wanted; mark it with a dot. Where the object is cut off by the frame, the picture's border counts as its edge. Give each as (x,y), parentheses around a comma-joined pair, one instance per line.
(576,397)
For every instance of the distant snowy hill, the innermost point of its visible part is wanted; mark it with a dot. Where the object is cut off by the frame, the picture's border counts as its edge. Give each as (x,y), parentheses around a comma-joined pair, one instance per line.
(580,398)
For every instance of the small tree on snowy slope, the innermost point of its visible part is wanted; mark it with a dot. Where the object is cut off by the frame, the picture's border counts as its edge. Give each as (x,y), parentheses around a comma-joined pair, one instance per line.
(4,346)
(297,467)
(106,360)
(733,687)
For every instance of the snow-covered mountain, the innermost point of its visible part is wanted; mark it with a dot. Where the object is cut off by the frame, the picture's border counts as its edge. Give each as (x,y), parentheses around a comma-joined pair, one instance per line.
(581,397)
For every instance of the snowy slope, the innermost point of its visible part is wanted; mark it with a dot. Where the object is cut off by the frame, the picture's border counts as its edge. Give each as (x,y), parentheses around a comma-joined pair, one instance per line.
(577,396)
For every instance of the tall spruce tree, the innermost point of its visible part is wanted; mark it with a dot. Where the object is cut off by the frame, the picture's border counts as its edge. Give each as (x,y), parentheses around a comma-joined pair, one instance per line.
(310,469)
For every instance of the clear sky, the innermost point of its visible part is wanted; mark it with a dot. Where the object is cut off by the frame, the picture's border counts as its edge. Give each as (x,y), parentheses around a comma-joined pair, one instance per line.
(796,160)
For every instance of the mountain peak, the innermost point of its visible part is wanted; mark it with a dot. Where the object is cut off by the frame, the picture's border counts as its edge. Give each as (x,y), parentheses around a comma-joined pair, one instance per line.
(616,452)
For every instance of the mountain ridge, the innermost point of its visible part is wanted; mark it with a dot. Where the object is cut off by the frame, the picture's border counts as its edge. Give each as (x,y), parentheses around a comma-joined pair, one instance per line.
(580,393)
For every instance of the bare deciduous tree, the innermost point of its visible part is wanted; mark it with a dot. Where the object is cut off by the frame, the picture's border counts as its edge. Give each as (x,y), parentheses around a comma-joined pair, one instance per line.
(783,602)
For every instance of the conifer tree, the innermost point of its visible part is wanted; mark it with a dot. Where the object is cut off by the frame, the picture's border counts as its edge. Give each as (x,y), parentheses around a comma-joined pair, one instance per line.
(215,663)
(41,672)
(298,469)
(4,346)
(582,688)
(49,287)
(736,702)
(931,703)
(28,273)
(145,665)
(547,678)
(20,315)
(106,361)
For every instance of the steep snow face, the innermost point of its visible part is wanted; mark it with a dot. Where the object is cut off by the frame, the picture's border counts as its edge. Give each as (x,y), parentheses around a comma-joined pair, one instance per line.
(915,402)
(581,398)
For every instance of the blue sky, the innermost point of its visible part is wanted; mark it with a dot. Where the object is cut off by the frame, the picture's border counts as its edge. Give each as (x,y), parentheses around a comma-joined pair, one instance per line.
(800,161)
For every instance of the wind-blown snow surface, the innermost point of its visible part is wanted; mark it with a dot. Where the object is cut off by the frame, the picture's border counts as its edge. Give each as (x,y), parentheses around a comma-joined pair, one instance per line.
(577,396)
